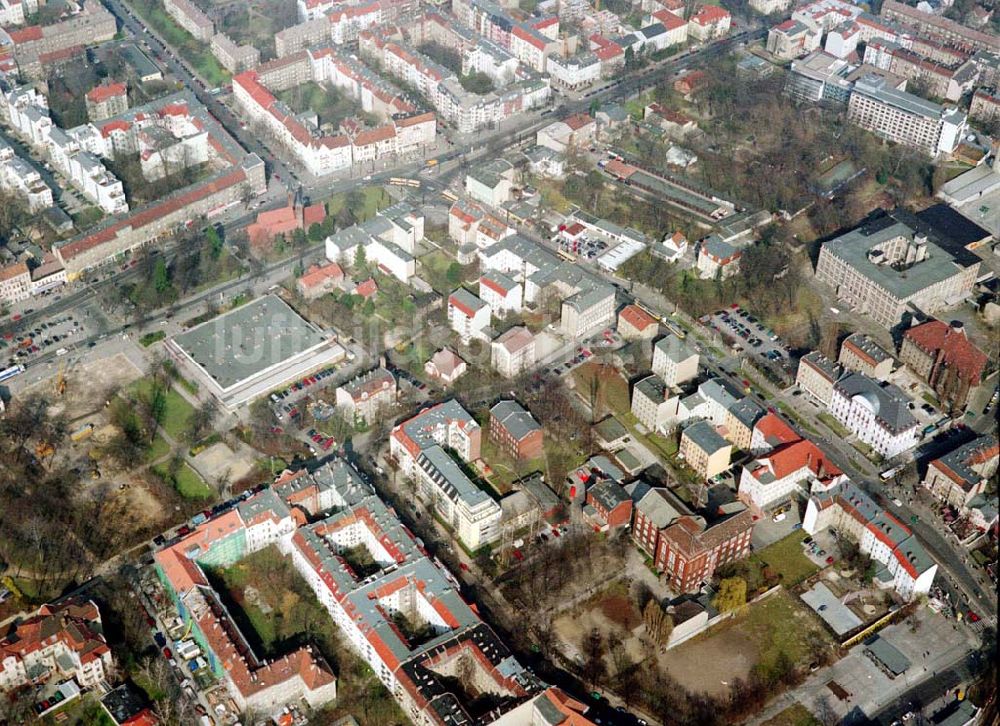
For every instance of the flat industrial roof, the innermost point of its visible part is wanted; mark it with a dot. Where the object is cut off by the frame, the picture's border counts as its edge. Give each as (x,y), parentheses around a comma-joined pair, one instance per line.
(246,341)
(837,615)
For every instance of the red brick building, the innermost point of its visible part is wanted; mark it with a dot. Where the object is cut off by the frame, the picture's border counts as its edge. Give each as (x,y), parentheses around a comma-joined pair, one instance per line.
(514,430)
(944,356)
(690,553)
(611,503)
(654,512)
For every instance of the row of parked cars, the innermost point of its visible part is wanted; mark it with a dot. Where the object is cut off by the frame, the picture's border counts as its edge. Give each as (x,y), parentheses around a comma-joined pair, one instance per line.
(303,384)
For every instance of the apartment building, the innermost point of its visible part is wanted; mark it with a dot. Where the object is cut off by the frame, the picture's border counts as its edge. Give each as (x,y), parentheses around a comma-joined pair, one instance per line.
(689,551)
(962,474)
(650,404)
(491,182)
(887,267)
(234,58)
(468,315)
(790,470)
(592,307)
(938,26)
(769,433)
(23,180)
(405,582)
(862,354)
(576,71)
(106,100)
(769,7)
(816,376)
(190,17)
(907,568)
(878,414)
(674,361)
(709,22)
(15,283)
(515,431)
(500,292)
(388,239)
(71,152)
(704,449)
(741,418)
(793,39)
(985,104)
(56,642)
(903,118)
(513,352)
(469,511)
(14,12)
(365,396)
(446,424)
(37,47)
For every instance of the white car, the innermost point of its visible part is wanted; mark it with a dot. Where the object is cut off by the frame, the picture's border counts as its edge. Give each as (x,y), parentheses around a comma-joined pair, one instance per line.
(897,502)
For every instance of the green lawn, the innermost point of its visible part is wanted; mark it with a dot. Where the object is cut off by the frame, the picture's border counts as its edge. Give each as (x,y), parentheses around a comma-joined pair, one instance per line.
(158,449)
(778,624)
(786,558)
(198,54)
(187,482)
(435,267)
(794,715)
(178,410)
(612,389)
(376,198)
(834,425)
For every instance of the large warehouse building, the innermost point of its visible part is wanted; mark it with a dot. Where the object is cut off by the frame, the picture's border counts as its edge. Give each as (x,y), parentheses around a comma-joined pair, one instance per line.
(253,349)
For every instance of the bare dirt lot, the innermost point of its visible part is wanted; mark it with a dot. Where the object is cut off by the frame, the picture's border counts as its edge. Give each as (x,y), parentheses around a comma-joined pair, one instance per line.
(610,611)
(218,461)
(87,385)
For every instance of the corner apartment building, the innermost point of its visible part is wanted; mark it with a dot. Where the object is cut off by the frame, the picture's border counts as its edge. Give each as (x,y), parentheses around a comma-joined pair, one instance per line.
(446,424)
(887,267)
(472,514)
(15,283)
(56,642)
(789,470)
(294,515)
(938,27)
(903,118)
(907,568)
(363,397)
(234,58)
(816,376)
(36,47)
(962,474)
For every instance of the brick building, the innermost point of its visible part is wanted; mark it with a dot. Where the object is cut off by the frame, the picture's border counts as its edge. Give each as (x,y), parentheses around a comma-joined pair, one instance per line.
(515,431)
(943,356)
(689,552)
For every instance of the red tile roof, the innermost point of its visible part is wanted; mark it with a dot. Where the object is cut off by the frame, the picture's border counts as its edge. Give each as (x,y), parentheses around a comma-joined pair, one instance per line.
(636,317)
(670,20)
(367,288)
(957,352)
(710,14)
(104,92)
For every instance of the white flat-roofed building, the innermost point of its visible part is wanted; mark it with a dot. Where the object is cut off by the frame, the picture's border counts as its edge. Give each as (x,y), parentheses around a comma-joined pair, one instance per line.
(903,118)
(500,292)
(248,351)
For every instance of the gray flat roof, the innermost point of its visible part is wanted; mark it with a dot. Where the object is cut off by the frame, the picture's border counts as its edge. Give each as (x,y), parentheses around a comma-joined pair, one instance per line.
(888,654)
(854,246)
(837,615)
(246,341)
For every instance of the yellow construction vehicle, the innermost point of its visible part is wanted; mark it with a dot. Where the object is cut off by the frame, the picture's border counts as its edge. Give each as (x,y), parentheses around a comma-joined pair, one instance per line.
(61,378)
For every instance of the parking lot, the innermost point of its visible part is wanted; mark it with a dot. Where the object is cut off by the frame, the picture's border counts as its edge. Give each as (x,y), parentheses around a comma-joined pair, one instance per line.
(742,330)
(59,334)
